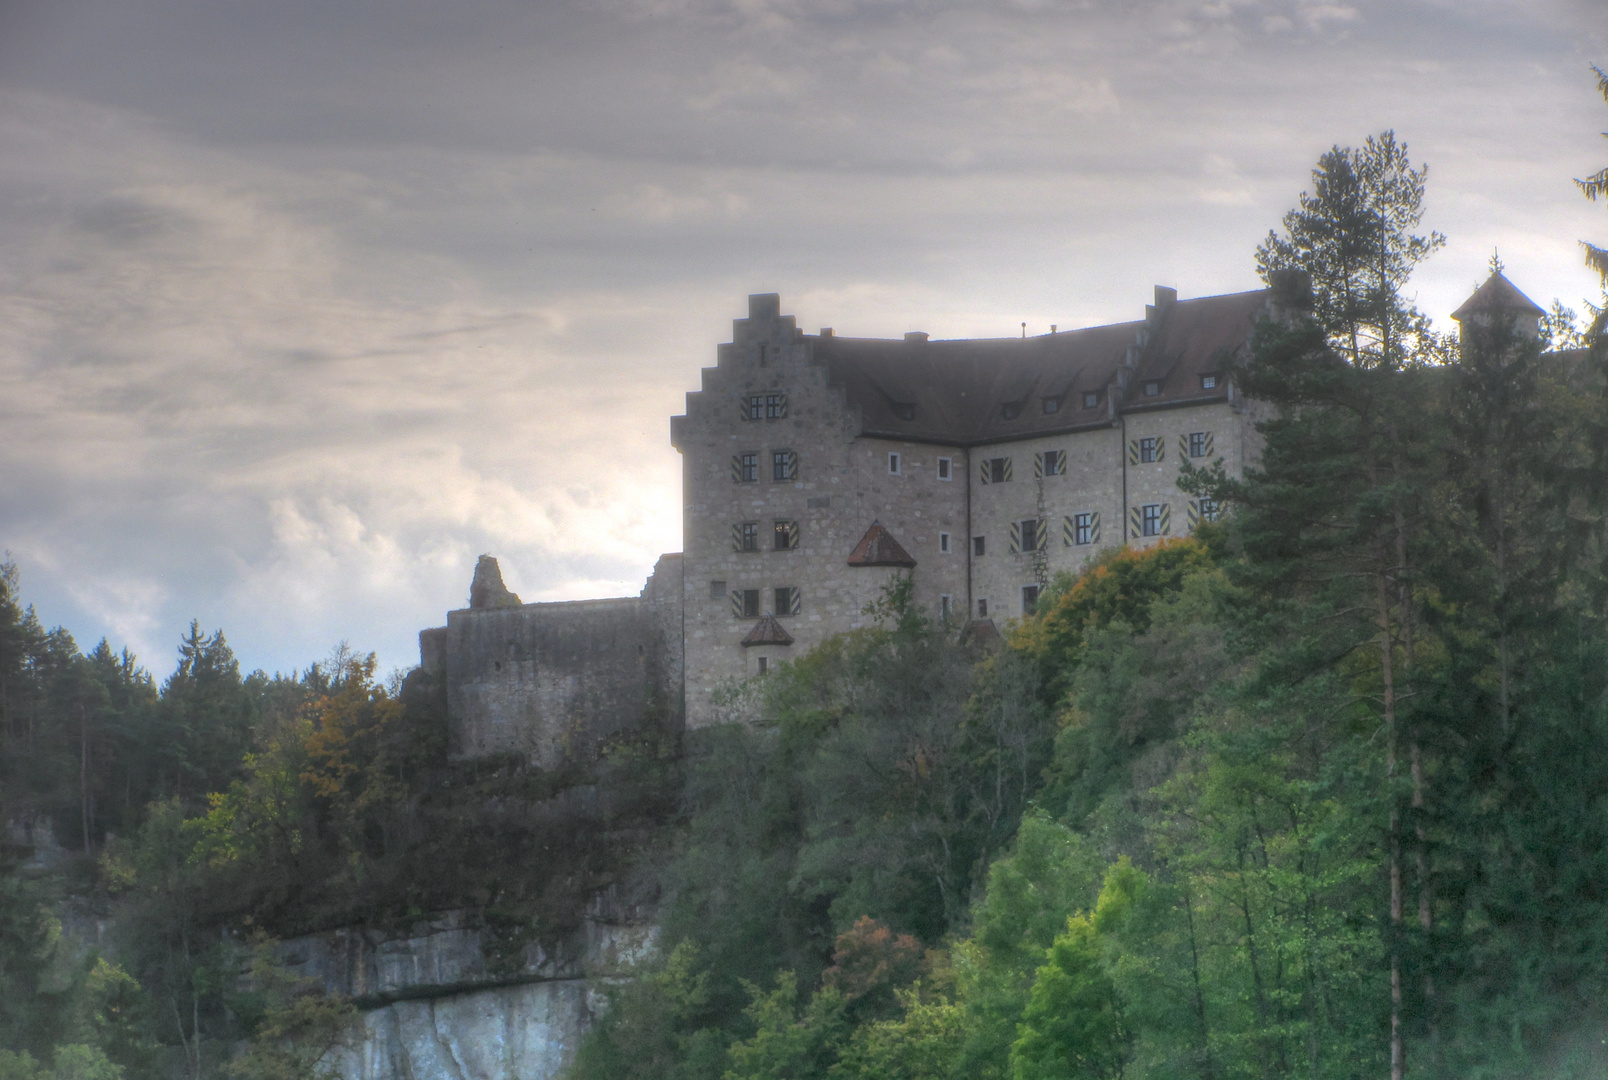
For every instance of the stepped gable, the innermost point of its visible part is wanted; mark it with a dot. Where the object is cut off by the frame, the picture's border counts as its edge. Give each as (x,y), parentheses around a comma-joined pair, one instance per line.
(956,392)
(878,548)
(1498,294)
(768,632)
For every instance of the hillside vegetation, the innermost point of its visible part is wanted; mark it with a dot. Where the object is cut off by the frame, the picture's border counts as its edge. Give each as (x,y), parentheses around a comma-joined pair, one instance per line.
(1318,791)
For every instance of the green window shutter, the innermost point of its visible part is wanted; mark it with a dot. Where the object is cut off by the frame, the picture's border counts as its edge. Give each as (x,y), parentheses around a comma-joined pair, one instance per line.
(1183,446)
(1133,451)
(1094,528)
(736,468)
(781,412)
(1136,524)
(984,473)
(737,540)
(795,601)
(1208,444)
(1166,518)
(1007,468)
(1193,509)
(1042,540)
(1038,466)
(1016,537)
(1068,532)
(792,465)
(792,535)
(737,603)
(1161,448)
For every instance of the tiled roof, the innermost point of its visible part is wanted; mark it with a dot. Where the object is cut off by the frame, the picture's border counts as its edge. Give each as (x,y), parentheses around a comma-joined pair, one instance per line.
(768,632)
(973,391)
(1497,294)
(878,548)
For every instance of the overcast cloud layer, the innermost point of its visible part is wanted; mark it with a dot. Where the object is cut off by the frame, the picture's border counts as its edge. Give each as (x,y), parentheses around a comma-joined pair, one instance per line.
(305,304)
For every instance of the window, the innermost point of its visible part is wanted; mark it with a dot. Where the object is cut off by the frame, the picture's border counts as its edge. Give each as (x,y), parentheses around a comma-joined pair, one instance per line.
(893,464)
(1150,519)
(1208,382)
(784,535)
(1030,595)
(1152,387)
(1052,405)
(745,603)
(945,607)
(717,590)
(943,543)
(982,609)
(745,467)
(905,412)
(1200,443)
(762,356)
(1091,399)
(755,408)
(787,600)
(764,661)
(1011,411)
(745,537)
(996,470)
(775,406)
(1085,528)
(784,465)
(1147,450)
(945,465)
(1050,463)
(1209,510)
(1026,534)
(977,546)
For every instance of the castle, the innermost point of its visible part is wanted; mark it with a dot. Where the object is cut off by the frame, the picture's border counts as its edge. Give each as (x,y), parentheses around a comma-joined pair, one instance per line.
(815,467)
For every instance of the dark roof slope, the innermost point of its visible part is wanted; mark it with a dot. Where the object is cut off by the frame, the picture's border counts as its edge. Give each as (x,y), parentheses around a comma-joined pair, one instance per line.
(878,548)
(994,389)
(767,631)
(1497,294)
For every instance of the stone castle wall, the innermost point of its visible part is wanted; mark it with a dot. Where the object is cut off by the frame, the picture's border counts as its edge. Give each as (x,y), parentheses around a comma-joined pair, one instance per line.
(551,682)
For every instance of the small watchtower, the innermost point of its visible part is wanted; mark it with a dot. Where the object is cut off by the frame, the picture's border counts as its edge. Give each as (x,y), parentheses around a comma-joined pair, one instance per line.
(1497,312)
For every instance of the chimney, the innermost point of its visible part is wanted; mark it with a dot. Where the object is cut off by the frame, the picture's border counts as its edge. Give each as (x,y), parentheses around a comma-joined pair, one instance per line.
(826,331)
(916,337)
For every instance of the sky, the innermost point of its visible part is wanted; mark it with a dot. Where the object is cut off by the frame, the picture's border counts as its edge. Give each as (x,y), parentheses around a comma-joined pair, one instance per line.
(305,304)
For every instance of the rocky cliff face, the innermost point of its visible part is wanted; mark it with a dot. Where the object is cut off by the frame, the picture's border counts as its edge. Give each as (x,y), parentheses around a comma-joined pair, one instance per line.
(454,997)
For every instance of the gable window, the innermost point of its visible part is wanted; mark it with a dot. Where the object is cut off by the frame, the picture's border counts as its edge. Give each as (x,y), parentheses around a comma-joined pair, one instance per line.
(717,589)
(1208,382)
(1030,595)
(977,546)
(982,608)
(788,600)
(1011,411)
(745,467)
(1152,387)
(893,464)
(1147,449)
(745,603)
(945,465)
(775,406)
(1091,398)
(784,535)
(784,465)
(1150,519)
(943,543)
(1050,463)
(1200,443)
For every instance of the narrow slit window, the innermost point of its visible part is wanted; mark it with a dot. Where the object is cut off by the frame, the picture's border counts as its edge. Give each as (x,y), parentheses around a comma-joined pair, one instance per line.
(943,543)
(945,467)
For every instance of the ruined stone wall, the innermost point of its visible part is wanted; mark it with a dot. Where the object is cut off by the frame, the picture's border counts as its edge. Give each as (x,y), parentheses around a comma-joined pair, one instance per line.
(550,682)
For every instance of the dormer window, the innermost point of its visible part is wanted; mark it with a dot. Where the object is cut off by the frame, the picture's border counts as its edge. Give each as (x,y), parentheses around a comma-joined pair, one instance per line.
(1091,399)
(1011,411)
(905,412)
(1152,387)
(1208,382)
(1052,405)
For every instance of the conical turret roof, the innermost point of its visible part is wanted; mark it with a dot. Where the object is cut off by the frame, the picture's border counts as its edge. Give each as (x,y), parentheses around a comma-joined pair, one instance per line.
(878,548)
(1498,294)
